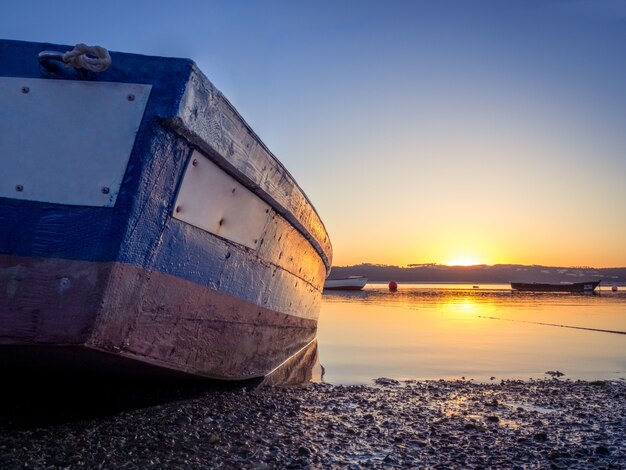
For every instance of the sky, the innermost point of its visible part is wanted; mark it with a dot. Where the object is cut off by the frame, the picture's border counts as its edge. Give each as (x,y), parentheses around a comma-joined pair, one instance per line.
(448,132)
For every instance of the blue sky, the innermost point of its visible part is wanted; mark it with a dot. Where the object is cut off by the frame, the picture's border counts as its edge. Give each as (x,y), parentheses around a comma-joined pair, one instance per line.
(423,131)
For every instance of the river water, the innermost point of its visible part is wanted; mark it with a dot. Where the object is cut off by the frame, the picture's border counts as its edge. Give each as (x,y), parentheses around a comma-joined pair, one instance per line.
(482,333)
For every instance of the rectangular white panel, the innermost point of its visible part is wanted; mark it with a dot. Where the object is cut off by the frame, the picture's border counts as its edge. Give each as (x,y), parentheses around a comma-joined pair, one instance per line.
(214,201)
(66,141)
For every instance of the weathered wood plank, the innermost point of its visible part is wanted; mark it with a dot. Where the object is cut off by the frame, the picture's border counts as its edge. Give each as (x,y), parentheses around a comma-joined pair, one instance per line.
(208,120)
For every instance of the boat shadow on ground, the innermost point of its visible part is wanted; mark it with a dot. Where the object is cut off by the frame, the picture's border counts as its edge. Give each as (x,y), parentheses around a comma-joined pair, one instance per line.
(55,399)
(43,396)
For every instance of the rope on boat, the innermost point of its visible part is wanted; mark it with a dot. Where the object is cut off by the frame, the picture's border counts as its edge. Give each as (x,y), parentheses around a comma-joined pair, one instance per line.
(92,58)
(616,332)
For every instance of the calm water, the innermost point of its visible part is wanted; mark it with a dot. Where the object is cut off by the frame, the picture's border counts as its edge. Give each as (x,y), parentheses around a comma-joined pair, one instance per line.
(432,331)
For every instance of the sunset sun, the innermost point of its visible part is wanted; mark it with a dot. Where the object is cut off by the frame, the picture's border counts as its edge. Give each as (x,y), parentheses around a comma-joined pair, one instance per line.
(464,261)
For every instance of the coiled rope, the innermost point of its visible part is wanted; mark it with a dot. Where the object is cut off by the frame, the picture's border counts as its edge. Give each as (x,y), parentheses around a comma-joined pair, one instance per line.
(92,58)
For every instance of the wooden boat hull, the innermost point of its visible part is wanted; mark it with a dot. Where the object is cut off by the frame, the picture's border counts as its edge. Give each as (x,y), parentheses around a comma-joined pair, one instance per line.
(348,283)
(539,287)
(125,310)
(228,287)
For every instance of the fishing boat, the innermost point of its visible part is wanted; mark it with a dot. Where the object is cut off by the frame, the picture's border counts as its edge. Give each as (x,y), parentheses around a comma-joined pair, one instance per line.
(563,287)
(144,225)
(346,283)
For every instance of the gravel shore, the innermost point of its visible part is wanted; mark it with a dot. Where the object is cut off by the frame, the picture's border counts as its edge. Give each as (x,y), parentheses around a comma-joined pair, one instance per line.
(431,424)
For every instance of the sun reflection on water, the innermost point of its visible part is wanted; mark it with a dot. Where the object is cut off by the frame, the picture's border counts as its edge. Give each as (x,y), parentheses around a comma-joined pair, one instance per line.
(450,331)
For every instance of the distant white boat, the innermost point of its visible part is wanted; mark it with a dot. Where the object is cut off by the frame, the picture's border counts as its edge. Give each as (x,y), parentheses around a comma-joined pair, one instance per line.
(346,283)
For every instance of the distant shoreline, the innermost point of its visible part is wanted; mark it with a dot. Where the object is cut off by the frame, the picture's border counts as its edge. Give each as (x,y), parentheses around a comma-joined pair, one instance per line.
(485,274)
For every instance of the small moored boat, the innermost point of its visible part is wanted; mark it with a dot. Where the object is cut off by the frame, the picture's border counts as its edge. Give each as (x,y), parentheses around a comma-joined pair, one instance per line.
(346,283)
(144,223)
(565,287)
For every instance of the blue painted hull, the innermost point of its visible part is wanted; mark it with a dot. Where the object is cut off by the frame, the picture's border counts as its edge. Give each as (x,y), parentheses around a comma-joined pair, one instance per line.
(134,281)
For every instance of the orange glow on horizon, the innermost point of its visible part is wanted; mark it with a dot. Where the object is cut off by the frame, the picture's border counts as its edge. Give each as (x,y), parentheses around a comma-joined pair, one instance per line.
(445,243)
(464,261)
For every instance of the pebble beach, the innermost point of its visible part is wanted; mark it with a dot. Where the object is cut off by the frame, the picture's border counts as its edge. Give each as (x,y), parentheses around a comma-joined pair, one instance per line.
(550,423)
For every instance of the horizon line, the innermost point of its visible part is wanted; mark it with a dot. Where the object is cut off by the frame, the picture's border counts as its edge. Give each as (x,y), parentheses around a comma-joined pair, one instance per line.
(422,265)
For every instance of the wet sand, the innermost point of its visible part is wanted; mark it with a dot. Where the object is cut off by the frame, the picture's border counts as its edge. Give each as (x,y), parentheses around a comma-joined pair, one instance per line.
(435,424)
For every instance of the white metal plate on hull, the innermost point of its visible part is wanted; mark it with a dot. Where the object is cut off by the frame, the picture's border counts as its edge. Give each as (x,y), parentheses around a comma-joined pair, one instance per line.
(66,141)
(214,201)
